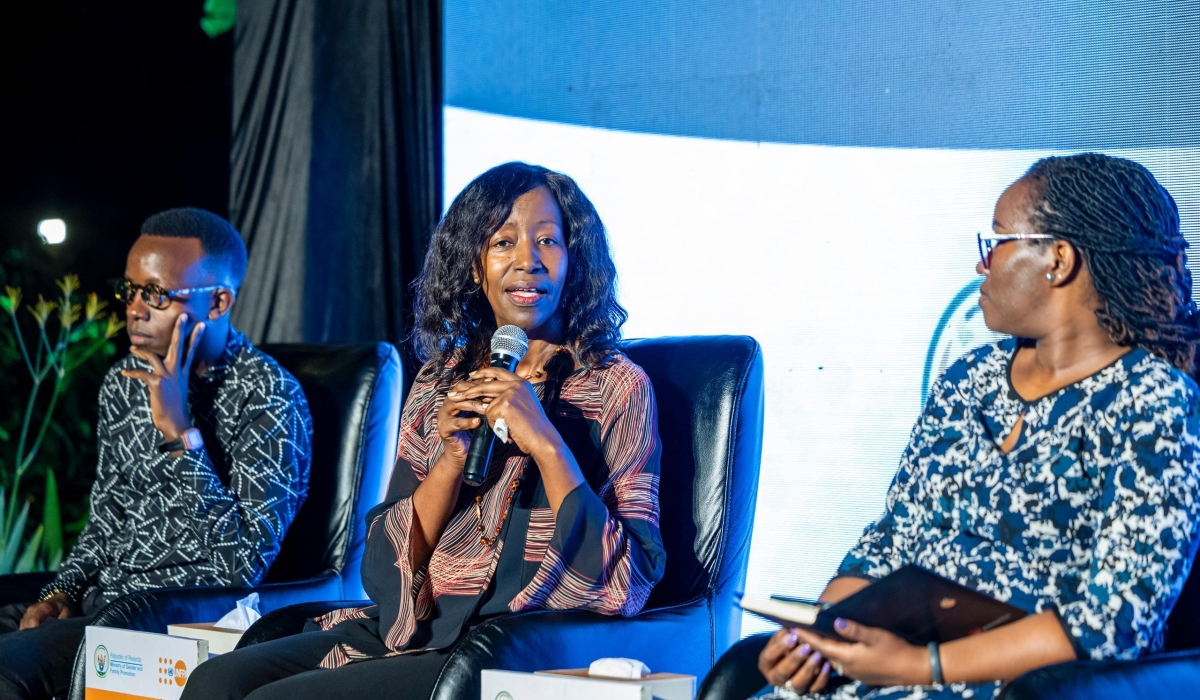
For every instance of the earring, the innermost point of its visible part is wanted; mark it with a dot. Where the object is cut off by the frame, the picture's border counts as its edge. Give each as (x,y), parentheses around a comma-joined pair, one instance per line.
(1049,276)
(475,278)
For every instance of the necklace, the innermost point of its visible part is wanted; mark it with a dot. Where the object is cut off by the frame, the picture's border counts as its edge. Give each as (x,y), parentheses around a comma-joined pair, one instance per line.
(541,371)
(512,492)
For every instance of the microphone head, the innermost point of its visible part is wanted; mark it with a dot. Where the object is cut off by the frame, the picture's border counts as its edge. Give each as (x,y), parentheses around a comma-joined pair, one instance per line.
(510,340)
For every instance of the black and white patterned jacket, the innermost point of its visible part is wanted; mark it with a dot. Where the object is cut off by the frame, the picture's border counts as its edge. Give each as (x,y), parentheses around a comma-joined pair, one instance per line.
(215,516)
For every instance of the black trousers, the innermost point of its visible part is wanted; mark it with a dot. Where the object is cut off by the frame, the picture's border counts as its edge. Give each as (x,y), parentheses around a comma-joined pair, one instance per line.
(37,663)
(287,669)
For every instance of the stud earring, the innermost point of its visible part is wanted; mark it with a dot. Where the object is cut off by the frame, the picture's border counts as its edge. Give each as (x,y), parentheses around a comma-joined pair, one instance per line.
(1049,277)
(475,278)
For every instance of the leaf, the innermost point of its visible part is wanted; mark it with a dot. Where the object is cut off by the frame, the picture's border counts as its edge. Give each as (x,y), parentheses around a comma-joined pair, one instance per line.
(4,435)
(55,561)
(11,300)
(219,17)
(69,284)
(9,555)
(28,560)
(52,516)
(3,519)
(42,310)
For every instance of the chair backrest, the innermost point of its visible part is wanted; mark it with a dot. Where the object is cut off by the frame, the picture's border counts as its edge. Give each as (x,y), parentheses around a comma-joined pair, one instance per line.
(353,393)
(709,392)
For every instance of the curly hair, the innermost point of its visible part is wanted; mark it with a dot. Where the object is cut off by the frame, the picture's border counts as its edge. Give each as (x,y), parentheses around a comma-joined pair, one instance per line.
(452,314)
(1126,227)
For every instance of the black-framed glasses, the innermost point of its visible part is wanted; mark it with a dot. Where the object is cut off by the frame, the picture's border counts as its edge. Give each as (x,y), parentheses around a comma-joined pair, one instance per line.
(153,295)
(989,242)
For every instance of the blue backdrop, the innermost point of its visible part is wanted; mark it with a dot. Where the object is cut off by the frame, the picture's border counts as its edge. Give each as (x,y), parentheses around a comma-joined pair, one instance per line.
(813,174)
(967,74)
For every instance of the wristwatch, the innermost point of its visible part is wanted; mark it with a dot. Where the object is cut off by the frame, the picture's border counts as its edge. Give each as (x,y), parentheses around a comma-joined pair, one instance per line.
(190,440)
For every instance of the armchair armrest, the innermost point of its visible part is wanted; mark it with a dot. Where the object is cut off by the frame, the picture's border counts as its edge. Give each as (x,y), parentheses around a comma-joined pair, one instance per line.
(1157,676)
(23,588)
(290,620)
(736,673)
(674,639)
(152,611)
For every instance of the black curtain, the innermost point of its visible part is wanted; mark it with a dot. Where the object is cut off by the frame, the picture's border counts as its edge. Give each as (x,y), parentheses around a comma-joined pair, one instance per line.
(336,163)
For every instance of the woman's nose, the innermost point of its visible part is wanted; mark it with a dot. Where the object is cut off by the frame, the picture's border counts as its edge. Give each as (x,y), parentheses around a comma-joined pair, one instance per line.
(528,256)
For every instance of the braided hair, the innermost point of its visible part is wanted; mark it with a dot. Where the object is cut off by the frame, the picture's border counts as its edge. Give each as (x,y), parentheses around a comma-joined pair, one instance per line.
(1126,227)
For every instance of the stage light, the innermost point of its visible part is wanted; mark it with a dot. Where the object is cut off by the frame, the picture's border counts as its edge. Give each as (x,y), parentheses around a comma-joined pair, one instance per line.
(52,231)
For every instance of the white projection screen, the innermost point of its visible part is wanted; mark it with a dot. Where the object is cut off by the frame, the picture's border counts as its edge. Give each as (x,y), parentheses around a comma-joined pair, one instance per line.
(813,175)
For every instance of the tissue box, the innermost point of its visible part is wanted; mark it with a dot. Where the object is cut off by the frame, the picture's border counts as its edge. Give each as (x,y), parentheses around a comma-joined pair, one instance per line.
(220,639)
(138,665)
(576,684)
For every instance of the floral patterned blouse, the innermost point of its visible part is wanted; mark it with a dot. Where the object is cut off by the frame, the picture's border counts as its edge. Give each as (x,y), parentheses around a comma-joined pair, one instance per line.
(1093,514)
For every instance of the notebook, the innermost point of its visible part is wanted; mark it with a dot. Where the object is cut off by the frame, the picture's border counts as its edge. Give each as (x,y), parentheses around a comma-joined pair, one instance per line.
(912,602)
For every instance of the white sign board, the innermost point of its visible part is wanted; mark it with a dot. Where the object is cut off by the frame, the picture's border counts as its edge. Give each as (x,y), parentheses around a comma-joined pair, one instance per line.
(124,665)
(577,685)
(220,639)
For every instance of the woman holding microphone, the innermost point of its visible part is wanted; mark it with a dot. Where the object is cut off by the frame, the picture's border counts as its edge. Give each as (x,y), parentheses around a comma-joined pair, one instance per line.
(567,517)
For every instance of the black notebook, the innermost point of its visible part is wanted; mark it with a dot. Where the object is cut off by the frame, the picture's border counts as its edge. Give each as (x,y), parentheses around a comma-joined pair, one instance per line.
(912,602)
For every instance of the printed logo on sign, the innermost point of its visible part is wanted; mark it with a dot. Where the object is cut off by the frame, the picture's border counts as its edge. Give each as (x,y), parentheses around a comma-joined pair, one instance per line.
(101,661)
(172,671)
(504,696)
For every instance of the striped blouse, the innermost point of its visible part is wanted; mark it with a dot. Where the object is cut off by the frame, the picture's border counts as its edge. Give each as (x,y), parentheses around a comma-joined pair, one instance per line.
(603,552)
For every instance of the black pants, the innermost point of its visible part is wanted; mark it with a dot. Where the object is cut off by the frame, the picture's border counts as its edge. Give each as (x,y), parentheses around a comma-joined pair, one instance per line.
(287,668)
(37,663)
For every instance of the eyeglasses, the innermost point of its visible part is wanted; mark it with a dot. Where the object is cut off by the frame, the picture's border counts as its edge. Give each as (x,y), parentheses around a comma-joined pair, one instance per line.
(988,243)
(153,295)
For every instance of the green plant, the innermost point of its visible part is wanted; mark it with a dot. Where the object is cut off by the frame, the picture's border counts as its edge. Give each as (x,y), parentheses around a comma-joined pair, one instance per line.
(82,331)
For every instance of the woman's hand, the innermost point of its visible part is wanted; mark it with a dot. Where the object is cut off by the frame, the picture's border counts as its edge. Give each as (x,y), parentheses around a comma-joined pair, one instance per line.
(500,394)
(788,662)
(456,418)
(874,655)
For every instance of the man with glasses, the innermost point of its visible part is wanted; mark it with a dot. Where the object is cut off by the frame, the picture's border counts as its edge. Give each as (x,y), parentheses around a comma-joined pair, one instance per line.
(203,452)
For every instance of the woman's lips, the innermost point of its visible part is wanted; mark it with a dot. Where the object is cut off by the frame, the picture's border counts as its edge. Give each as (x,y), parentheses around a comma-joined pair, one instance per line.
(525,297)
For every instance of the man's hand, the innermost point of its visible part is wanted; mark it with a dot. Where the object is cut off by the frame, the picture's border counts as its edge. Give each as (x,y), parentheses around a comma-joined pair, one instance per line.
(58,605)
(167,380)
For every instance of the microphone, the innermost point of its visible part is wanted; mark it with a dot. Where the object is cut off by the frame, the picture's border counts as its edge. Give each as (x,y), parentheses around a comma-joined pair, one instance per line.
(509,344)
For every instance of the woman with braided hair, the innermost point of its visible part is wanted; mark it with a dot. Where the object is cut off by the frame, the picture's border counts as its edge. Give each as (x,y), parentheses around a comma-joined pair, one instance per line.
(1057,469)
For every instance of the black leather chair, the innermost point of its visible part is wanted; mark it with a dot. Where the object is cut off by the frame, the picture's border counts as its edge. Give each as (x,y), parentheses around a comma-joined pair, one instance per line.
(353,393)
(1174,673)
(710,410)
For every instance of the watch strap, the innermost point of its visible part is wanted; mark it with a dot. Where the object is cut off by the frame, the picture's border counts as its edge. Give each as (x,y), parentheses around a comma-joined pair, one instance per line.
(191,439)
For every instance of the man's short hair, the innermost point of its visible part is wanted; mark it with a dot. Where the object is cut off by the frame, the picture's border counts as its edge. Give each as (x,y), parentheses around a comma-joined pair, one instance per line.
(220,241)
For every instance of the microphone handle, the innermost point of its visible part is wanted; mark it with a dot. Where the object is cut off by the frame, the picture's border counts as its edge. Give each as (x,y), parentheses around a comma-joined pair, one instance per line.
(483,438)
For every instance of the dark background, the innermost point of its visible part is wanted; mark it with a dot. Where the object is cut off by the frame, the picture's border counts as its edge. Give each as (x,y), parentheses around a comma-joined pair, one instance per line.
(114,110)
